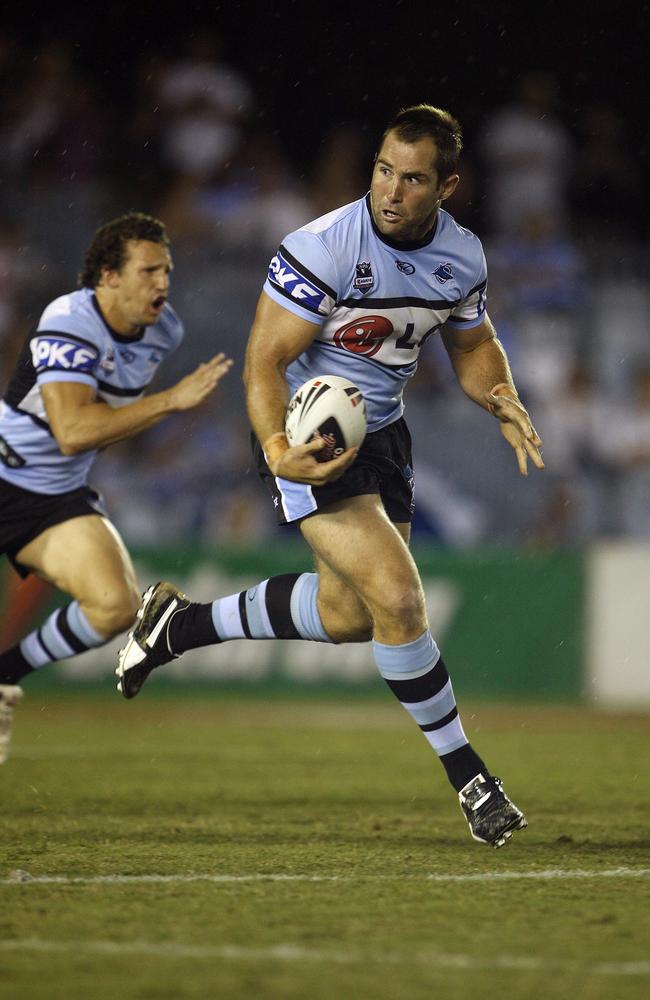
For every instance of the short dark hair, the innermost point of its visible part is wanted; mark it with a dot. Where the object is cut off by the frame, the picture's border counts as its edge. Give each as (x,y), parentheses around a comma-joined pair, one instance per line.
(108,249)
(423,121)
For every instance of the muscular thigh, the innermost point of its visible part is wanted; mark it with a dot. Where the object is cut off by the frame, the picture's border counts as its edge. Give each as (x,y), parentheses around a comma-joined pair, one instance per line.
(84,557)
(343,612)
(369,555)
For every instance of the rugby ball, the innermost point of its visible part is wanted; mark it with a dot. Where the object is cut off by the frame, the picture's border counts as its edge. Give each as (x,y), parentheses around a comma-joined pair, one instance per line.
(328,407)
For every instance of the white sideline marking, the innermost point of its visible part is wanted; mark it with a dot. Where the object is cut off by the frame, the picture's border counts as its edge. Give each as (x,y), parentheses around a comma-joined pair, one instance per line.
(296,953)
(549,874)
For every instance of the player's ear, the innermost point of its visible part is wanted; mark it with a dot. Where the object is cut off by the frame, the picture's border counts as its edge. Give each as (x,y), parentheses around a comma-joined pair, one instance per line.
(449,186)
(109,278)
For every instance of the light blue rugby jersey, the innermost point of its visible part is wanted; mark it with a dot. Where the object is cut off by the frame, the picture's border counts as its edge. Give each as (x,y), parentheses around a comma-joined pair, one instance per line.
(375,301)
(73,343)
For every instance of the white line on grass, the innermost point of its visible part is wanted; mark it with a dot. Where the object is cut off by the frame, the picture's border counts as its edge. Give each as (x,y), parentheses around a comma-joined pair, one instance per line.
(296,953)
(19,877)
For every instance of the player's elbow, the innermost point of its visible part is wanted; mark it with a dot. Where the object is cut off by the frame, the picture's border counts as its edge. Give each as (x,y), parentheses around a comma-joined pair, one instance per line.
(256,371)
(70,441)
(69,448)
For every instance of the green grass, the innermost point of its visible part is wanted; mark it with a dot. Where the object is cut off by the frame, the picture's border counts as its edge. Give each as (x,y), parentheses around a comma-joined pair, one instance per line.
(349,798)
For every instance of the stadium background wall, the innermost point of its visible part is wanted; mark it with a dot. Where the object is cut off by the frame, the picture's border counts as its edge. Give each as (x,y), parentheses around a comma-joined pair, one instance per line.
(510,625)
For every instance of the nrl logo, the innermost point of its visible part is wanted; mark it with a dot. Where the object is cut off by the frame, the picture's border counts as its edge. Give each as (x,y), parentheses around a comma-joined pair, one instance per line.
(363,276)
(108,362)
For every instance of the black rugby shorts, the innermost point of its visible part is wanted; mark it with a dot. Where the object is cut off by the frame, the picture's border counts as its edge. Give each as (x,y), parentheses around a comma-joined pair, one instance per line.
(24,515)
(384,465)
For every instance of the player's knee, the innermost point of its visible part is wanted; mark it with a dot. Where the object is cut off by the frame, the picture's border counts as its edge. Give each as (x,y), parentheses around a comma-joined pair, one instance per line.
(346,631)
(403,603)
(362,632)
(115,611)
(346,621)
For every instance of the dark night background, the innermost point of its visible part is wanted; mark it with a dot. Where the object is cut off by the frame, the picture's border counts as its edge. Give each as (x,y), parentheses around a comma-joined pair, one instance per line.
(316,64)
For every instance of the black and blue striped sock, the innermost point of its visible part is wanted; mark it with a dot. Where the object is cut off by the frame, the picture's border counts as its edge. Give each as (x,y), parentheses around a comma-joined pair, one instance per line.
(417,676)
(282,607)
(65,633)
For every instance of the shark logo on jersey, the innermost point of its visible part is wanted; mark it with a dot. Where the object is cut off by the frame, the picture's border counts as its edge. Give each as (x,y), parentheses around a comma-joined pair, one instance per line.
(364,278)
(405,266)
(443,272)
(127,355)
(284,276)
(61,355)
(364,336)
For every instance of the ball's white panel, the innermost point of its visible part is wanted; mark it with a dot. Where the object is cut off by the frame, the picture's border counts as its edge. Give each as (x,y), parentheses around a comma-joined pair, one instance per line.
(330,407)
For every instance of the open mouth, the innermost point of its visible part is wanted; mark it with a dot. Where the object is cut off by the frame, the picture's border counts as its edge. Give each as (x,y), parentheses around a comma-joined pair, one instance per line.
(158,302)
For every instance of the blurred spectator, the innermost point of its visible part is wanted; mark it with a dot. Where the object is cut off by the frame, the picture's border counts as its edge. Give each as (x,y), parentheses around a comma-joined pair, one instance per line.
(539,267)
(572,420)
(528,154)
(538,275)
(248,209)
(628,440)
(205,103)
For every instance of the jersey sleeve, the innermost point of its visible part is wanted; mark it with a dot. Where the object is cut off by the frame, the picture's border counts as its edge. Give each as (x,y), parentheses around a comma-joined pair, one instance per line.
(60,352)
(58,357)
(470,311)
(302,277)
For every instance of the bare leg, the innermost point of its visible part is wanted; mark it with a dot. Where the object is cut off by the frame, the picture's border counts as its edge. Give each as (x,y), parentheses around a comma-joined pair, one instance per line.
(86,558)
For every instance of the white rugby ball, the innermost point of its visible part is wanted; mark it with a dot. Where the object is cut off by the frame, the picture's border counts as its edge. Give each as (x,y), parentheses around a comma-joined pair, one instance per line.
(328,407)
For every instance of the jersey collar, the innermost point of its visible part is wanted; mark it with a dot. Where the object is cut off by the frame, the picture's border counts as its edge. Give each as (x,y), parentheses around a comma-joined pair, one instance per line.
(394,244)
(120,337)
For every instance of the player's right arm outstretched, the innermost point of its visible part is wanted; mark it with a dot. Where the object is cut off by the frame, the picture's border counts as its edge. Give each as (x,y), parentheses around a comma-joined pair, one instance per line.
(81,422)
(277,338)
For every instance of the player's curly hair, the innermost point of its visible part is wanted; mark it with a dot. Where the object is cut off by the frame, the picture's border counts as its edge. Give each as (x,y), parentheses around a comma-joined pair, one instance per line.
(108,248)
(422,121)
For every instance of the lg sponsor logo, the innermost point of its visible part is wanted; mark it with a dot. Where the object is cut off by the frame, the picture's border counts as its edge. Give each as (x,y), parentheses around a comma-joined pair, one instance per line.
(364,335)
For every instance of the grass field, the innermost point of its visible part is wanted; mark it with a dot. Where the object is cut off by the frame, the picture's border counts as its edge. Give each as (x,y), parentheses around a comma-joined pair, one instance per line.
(231,848)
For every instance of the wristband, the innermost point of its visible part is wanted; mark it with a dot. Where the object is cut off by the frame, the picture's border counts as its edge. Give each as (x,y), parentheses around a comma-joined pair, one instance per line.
(274,447)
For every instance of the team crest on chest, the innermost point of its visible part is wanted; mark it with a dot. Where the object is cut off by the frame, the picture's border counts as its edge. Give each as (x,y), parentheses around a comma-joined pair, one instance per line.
(108,362)
(363,279)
